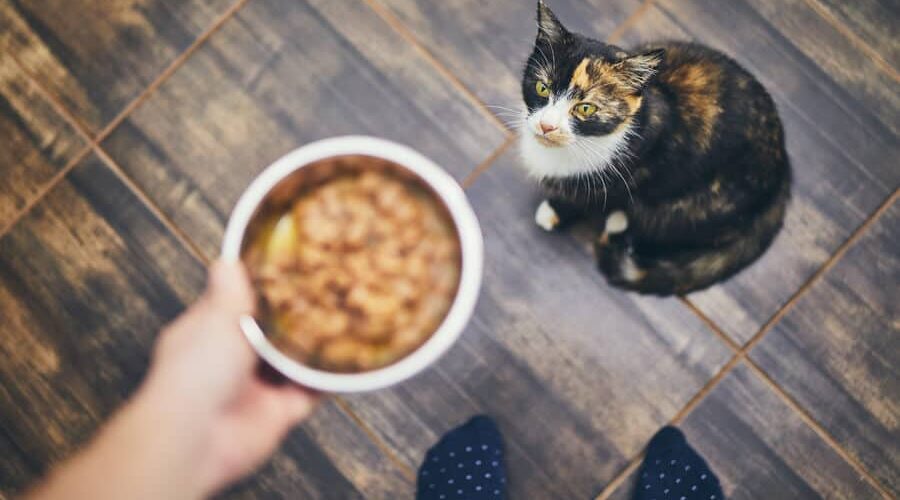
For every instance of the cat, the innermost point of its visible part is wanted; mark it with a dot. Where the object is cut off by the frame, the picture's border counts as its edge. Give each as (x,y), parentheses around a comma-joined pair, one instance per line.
(677,147)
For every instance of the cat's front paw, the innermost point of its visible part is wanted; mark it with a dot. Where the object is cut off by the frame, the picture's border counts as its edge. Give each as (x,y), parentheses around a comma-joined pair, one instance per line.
(546,217)
(616,223)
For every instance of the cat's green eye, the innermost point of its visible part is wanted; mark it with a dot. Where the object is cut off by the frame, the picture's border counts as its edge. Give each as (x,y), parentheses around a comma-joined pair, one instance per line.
(542,89)
(585,110)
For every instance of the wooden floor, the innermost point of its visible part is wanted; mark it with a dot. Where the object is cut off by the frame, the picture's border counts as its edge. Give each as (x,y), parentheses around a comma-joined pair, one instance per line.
(129,128)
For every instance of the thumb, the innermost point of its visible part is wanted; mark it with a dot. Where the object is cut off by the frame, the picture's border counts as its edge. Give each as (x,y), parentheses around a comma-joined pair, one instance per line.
(228,288)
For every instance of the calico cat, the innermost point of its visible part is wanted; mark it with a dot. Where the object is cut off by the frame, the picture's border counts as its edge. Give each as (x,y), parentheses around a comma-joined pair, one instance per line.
(679,148)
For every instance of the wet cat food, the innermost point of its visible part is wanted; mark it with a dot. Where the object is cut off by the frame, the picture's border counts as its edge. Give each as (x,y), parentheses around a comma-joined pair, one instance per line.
(356,264)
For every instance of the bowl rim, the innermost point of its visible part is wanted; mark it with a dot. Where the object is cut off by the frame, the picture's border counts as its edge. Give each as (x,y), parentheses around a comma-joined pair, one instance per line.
(467,229)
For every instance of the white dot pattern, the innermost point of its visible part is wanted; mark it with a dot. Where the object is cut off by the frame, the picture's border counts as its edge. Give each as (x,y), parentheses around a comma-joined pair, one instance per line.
(674,471)
(478,473)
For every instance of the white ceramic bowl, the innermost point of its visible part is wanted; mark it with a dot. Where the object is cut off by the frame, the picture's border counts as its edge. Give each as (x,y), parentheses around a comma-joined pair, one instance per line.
(466,227)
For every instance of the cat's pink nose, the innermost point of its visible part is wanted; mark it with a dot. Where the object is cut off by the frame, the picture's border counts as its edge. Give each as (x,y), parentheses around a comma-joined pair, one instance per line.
(546,128)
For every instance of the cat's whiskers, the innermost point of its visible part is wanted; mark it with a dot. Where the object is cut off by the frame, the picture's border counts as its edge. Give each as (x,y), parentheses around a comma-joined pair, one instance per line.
(627,152)
(504,108)
(514,118)
(510,114)
(515,121)
(615,163)
(608,161)
(590,157)
(516,125)
(582,151)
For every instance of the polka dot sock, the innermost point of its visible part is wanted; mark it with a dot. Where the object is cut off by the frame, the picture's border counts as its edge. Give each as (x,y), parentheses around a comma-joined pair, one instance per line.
(467,463)
(672,470)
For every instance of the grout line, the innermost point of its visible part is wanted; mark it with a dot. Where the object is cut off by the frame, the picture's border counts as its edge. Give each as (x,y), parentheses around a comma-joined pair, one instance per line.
(621,477)
(854,237)
(46,188)
(80,127)
(742,354)
(405,469)
(706,389)
(397,25)
(169,224)
(84,131)
(480,169)
(724,337)
(169,70)
(629,21)
(816,427)
(861,44)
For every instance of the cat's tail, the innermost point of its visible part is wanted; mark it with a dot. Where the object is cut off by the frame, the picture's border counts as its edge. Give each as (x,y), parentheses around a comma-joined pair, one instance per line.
(678,272)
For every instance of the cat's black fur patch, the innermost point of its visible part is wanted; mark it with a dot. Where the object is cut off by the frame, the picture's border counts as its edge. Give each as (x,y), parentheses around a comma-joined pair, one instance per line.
(708,174)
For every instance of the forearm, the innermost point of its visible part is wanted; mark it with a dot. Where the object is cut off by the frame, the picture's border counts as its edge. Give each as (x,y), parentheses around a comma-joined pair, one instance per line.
(201,420)
(149,450)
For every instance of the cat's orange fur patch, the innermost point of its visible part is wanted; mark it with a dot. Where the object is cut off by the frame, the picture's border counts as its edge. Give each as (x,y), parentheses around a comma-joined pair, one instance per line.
(602,83)
(698,89)
(581,78)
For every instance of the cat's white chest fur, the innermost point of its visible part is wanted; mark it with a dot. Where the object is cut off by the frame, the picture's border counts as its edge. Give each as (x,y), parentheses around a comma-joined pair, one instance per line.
(582,155)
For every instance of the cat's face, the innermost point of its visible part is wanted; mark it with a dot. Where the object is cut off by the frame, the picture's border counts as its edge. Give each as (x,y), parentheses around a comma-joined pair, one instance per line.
(581,96)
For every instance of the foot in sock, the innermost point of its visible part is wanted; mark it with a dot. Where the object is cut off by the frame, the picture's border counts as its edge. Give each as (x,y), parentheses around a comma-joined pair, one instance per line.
(467,463)
(672,470)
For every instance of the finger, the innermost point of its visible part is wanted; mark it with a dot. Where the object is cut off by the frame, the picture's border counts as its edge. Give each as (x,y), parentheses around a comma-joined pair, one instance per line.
(292,402)
(298,402)
(229,295)
(229,288)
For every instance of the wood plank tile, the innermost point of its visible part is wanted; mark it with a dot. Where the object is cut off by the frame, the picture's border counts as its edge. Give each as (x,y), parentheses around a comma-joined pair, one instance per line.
(86,281)
(37,143)
(96,57)
(329,457)
(278,75)
(836,55)
(874,21)
(842,116)
(837,184)
(15,466)
(82,292)
(485,44)
(836,351)
(577,374)
(760,448)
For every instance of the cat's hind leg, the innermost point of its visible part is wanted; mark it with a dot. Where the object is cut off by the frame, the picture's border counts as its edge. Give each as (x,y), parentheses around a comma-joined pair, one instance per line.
(615,251)
(683,254)
(624,267)
(660,271)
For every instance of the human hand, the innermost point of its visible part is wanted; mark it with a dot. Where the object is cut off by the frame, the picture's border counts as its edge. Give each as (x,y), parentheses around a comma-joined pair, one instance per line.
(203,364)
(203,418)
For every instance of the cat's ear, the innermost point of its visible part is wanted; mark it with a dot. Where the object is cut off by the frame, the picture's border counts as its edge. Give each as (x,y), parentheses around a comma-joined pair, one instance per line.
(549,28)
(640,68)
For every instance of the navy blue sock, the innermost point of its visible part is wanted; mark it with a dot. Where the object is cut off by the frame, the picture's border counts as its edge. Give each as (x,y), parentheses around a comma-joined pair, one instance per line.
(672,470)
(467,463)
